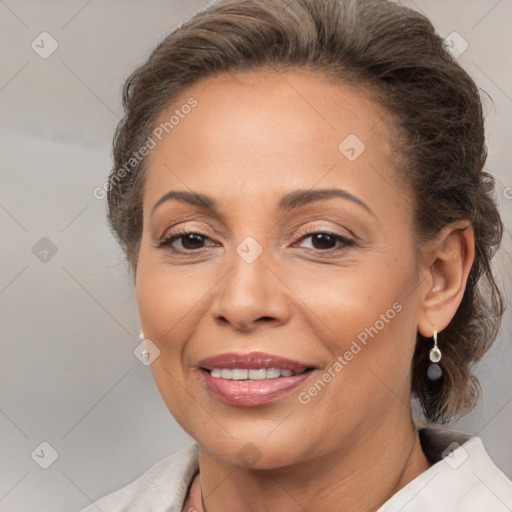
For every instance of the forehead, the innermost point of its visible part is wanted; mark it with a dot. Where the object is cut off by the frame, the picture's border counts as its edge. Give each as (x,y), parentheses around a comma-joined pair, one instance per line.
(261,131)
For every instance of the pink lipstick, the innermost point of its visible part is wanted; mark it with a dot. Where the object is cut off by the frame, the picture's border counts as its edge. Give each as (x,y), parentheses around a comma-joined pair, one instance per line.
(254,379)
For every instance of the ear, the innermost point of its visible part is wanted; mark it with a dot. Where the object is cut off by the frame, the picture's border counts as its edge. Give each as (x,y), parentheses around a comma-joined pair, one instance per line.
(446,265)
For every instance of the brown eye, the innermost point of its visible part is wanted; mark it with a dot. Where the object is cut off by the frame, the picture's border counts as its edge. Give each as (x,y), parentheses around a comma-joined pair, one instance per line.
(323,241)
(326,241)
(187,241)
(192,241)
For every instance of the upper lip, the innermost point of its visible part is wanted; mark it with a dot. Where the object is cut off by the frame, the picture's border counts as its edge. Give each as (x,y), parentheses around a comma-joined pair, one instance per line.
(252,360)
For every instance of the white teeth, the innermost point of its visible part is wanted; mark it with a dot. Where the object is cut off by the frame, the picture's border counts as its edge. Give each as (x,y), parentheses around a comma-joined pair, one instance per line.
(259,374)
(239,374)
(273,373)
(252,374)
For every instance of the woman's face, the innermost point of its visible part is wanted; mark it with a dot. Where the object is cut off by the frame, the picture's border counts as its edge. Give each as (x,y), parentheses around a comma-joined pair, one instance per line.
(276,273)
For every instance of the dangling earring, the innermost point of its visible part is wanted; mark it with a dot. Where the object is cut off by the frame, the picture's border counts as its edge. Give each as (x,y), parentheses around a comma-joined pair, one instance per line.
(435,353)
(434,371)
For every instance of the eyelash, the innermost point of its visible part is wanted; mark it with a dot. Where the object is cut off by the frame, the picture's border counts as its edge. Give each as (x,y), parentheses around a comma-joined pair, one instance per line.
(346,242)
(167,242)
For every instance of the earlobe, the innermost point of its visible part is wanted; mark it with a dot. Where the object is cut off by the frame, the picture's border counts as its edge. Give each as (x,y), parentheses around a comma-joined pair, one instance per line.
(448,261)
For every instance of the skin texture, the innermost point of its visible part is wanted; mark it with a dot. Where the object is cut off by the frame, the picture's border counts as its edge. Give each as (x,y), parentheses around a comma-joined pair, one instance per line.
(251,139)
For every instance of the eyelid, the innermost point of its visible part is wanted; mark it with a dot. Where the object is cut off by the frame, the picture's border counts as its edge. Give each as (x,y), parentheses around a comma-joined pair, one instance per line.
(322,228)
(180,233)
(193,225)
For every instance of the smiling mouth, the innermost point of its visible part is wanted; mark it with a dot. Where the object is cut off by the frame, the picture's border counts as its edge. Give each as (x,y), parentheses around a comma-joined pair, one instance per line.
(254,379)
(253,374)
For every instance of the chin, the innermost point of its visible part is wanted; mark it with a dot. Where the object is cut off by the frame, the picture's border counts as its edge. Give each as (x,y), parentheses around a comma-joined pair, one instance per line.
(256,455)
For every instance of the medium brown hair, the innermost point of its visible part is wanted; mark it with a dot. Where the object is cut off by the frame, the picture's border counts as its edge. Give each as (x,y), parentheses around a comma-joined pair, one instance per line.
(394,54)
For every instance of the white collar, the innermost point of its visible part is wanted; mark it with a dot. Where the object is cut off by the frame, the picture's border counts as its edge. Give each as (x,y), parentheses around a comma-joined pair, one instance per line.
(463,478)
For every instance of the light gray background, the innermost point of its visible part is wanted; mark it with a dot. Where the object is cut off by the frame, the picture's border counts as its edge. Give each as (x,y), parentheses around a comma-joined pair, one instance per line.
(69,325)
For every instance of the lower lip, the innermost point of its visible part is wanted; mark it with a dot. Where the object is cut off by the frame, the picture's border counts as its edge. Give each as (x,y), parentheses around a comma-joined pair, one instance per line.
(245,393)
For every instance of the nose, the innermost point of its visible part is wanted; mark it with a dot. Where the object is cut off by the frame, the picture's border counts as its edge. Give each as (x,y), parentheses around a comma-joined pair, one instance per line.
(251,295)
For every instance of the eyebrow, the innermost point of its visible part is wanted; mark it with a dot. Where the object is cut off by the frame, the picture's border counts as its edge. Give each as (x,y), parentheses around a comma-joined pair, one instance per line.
(290,201)
(299,198)
(193,198)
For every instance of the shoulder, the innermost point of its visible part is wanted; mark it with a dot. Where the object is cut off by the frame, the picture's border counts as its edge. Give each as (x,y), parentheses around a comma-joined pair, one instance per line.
(162,488)
(463,478)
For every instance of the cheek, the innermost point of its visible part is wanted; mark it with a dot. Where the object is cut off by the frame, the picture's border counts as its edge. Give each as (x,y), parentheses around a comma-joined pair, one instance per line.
(167,299)
(346,301)
(366,321)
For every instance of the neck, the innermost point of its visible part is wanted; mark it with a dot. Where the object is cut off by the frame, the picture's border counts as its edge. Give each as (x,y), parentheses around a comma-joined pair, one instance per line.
(362,475)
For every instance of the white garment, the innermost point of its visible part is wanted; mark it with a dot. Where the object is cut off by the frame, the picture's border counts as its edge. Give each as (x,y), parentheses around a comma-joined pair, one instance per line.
(464,479)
